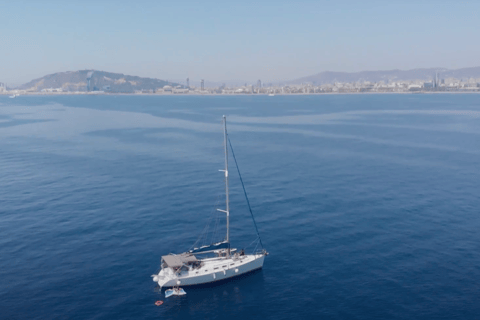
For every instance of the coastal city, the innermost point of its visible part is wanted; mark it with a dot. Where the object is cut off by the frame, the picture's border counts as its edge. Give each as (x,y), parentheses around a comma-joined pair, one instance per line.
(384,86)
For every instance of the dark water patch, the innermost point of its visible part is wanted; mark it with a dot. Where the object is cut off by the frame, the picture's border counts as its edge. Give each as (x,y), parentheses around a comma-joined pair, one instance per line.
(19,122)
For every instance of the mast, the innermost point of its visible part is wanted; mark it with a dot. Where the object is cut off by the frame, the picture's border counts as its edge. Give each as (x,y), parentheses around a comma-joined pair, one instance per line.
(227,204)
(226,179)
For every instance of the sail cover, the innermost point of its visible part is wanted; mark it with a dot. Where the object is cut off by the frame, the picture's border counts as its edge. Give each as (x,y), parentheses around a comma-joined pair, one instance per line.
(213,246)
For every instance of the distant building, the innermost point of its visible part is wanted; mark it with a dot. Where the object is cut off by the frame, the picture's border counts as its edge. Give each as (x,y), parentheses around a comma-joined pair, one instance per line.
(50,90)
(89,78)
(180,90)
(202,85)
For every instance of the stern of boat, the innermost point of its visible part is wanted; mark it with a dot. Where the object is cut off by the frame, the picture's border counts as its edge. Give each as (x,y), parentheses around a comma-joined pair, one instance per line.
(163,279)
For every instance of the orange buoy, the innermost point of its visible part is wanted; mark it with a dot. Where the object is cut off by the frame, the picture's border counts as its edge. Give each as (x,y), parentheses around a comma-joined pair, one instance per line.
(158,303)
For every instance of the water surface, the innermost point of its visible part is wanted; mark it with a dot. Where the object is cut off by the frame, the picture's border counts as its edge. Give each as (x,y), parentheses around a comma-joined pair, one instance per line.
(368,204)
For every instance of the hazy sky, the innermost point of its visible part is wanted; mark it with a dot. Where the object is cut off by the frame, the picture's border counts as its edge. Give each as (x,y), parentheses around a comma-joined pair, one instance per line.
(227,40)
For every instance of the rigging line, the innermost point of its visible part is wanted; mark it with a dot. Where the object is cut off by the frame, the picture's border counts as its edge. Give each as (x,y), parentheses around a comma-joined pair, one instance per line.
(217,218)
(255,249)
(254,241)
(197,243)
(202,236)
(245,191)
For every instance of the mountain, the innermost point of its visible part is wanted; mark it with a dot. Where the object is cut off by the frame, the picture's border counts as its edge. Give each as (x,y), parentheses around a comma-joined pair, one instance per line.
(395,75)
(99,81)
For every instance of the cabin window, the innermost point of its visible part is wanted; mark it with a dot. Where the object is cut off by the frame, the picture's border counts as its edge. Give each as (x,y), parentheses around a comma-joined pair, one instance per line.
(215,268)
(232,264)
(224,266)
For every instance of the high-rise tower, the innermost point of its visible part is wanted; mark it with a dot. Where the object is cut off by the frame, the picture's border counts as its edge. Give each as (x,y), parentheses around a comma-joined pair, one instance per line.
(202,85)
(89,78)
(188,82)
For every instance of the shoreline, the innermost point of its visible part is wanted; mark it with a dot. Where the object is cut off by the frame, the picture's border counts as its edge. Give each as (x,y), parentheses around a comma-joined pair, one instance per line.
(233,94)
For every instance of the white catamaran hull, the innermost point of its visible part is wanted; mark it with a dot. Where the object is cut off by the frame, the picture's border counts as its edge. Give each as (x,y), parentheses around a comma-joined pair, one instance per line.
(211,271)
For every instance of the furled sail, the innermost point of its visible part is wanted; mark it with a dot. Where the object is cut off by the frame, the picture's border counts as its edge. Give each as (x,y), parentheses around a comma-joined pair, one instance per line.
(213,246)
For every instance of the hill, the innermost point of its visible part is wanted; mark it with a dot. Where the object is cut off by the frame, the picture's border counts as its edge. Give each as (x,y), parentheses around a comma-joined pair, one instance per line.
(99,81)
(395,75)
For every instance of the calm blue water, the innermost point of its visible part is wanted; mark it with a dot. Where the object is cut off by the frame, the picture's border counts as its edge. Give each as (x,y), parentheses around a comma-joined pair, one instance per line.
(368,205)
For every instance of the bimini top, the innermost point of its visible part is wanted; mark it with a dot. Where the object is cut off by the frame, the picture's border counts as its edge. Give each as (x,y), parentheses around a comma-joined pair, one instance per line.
(179,260)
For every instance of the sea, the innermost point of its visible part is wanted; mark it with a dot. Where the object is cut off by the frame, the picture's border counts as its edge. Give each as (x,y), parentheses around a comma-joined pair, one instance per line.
(368,204)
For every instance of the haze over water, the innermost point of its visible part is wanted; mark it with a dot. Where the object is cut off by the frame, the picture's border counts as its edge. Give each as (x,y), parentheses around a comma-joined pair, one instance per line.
(368,204)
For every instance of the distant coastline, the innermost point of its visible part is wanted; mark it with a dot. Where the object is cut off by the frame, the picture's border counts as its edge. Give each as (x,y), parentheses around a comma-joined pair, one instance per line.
(94,82)
(232,94)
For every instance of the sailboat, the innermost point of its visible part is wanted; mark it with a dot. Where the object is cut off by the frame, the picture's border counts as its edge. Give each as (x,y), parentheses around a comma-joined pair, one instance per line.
(216,261)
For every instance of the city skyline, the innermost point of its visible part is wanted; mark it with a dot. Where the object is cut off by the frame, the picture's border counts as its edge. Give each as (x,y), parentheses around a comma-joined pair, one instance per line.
(221,42)
(101,82)
(327,77)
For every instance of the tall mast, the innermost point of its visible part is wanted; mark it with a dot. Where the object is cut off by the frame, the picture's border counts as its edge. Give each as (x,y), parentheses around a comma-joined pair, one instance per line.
(226,179)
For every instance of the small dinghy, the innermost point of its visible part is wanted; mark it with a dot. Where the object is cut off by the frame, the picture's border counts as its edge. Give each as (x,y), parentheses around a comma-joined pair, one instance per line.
(174,292)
